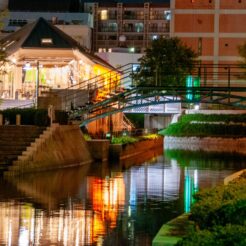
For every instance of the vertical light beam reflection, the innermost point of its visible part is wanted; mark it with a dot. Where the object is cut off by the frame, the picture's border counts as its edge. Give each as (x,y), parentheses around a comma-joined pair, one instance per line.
(187,191)
(10,233)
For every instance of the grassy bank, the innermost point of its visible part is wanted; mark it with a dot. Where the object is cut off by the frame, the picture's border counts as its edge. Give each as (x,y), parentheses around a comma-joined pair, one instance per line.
(199,125)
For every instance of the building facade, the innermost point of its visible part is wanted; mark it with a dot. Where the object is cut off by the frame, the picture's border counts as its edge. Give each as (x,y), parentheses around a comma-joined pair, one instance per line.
(213,28)
(131,24)
(76,25)
(40,56)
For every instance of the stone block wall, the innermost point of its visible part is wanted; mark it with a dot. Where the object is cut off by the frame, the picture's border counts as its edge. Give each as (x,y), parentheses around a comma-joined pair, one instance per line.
(58,147)
(237,145)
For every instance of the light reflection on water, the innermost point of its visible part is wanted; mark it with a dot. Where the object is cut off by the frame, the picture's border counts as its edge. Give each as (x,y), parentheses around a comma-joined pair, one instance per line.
(120,204)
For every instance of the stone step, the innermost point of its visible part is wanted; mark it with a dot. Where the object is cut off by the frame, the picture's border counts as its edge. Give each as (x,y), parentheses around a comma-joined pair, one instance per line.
(15,143)
(8,159)
(15,128)
(10,152)
(12,147)
(18,134)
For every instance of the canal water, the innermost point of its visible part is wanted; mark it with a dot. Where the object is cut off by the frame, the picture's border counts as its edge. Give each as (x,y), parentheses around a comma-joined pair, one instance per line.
(114,204)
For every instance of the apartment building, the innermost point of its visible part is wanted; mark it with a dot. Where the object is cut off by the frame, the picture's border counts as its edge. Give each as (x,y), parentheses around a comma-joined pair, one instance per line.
(213,28)
(131,24)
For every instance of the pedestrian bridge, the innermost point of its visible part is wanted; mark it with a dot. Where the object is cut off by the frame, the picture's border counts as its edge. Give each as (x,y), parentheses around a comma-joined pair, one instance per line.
(222,84)
(156,99)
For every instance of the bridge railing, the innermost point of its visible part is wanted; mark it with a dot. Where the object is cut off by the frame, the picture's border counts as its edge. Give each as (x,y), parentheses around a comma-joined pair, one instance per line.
(205,75)
(202,74)
(98,87)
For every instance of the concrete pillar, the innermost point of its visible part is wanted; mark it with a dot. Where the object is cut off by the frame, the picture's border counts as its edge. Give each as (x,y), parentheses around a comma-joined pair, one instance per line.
(18,119)
(1,119)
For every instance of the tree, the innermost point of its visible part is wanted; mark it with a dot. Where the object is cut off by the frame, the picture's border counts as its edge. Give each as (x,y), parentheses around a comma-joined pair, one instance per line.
(242,53)
(242,63)
(166,62)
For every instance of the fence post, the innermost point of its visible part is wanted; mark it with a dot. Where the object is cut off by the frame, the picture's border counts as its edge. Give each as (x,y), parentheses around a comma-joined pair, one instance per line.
(1,119)
(18,119)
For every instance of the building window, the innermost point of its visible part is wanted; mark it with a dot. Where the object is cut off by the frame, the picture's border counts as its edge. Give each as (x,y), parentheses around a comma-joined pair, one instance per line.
(167,15)
(46,41)
(154,37)
(104,15)
(139,27)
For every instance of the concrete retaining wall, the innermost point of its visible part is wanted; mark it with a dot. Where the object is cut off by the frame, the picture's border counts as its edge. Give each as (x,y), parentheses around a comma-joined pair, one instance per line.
(119,151)
(237,145)
(59,146)
(99,149)
(208,111)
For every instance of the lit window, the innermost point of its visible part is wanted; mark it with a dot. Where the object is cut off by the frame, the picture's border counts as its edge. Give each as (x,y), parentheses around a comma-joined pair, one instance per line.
(167,15)
(46,41)
(154,37)
(104,15)
(132,49)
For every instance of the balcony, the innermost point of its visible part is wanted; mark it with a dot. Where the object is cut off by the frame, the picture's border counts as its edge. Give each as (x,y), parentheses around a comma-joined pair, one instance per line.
(157,17)
(129,29)
(130,15)
(107,43)
(159,29)
(107,29)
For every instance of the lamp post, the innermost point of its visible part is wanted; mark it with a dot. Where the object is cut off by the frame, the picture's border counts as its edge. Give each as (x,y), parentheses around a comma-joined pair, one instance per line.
(37,84)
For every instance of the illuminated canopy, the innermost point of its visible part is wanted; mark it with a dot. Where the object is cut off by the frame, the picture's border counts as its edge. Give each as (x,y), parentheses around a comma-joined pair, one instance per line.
(41,48)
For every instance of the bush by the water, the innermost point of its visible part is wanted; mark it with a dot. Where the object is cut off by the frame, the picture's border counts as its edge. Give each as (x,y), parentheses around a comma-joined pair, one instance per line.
(200,125)
(31,116)
(221,205)
(123,140)
(233,118)
(150,136)
(219,216)
(186,129)
(231,235)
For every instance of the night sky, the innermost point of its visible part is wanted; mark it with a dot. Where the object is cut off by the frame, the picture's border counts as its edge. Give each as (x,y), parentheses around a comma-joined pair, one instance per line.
(64,5)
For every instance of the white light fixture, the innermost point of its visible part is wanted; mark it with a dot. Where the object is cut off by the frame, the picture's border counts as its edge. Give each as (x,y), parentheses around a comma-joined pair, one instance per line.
(197,107)
(13,60)
(132,49)
(27,66)
(46,41)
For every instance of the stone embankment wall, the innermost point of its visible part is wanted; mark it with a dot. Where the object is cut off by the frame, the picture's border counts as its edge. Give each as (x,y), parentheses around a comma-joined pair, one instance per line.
(237,145)
(58,147)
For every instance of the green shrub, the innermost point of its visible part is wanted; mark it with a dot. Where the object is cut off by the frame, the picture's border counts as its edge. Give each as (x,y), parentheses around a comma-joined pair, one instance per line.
(182,129)
(231,235)
(87,137)
(123,140)
(236,118)
(32,116)
(221,205)
(150,136)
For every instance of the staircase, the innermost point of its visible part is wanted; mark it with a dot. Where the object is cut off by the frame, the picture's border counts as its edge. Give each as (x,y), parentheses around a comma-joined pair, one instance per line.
(14,140)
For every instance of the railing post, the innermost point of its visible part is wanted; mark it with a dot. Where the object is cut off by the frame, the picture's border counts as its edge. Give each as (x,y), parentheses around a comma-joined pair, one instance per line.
(229,84)
(18,119)
(1,119)
(205,75)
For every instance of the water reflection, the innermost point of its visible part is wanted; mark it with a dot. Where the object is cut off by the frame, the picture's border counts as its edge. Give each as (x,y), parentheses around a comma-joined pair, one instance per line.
(123,204)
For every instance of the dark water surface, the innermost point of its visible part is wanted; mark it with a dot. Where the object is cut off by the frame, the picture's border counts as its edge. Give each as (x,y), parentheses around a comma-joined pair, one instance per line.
(116,204)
